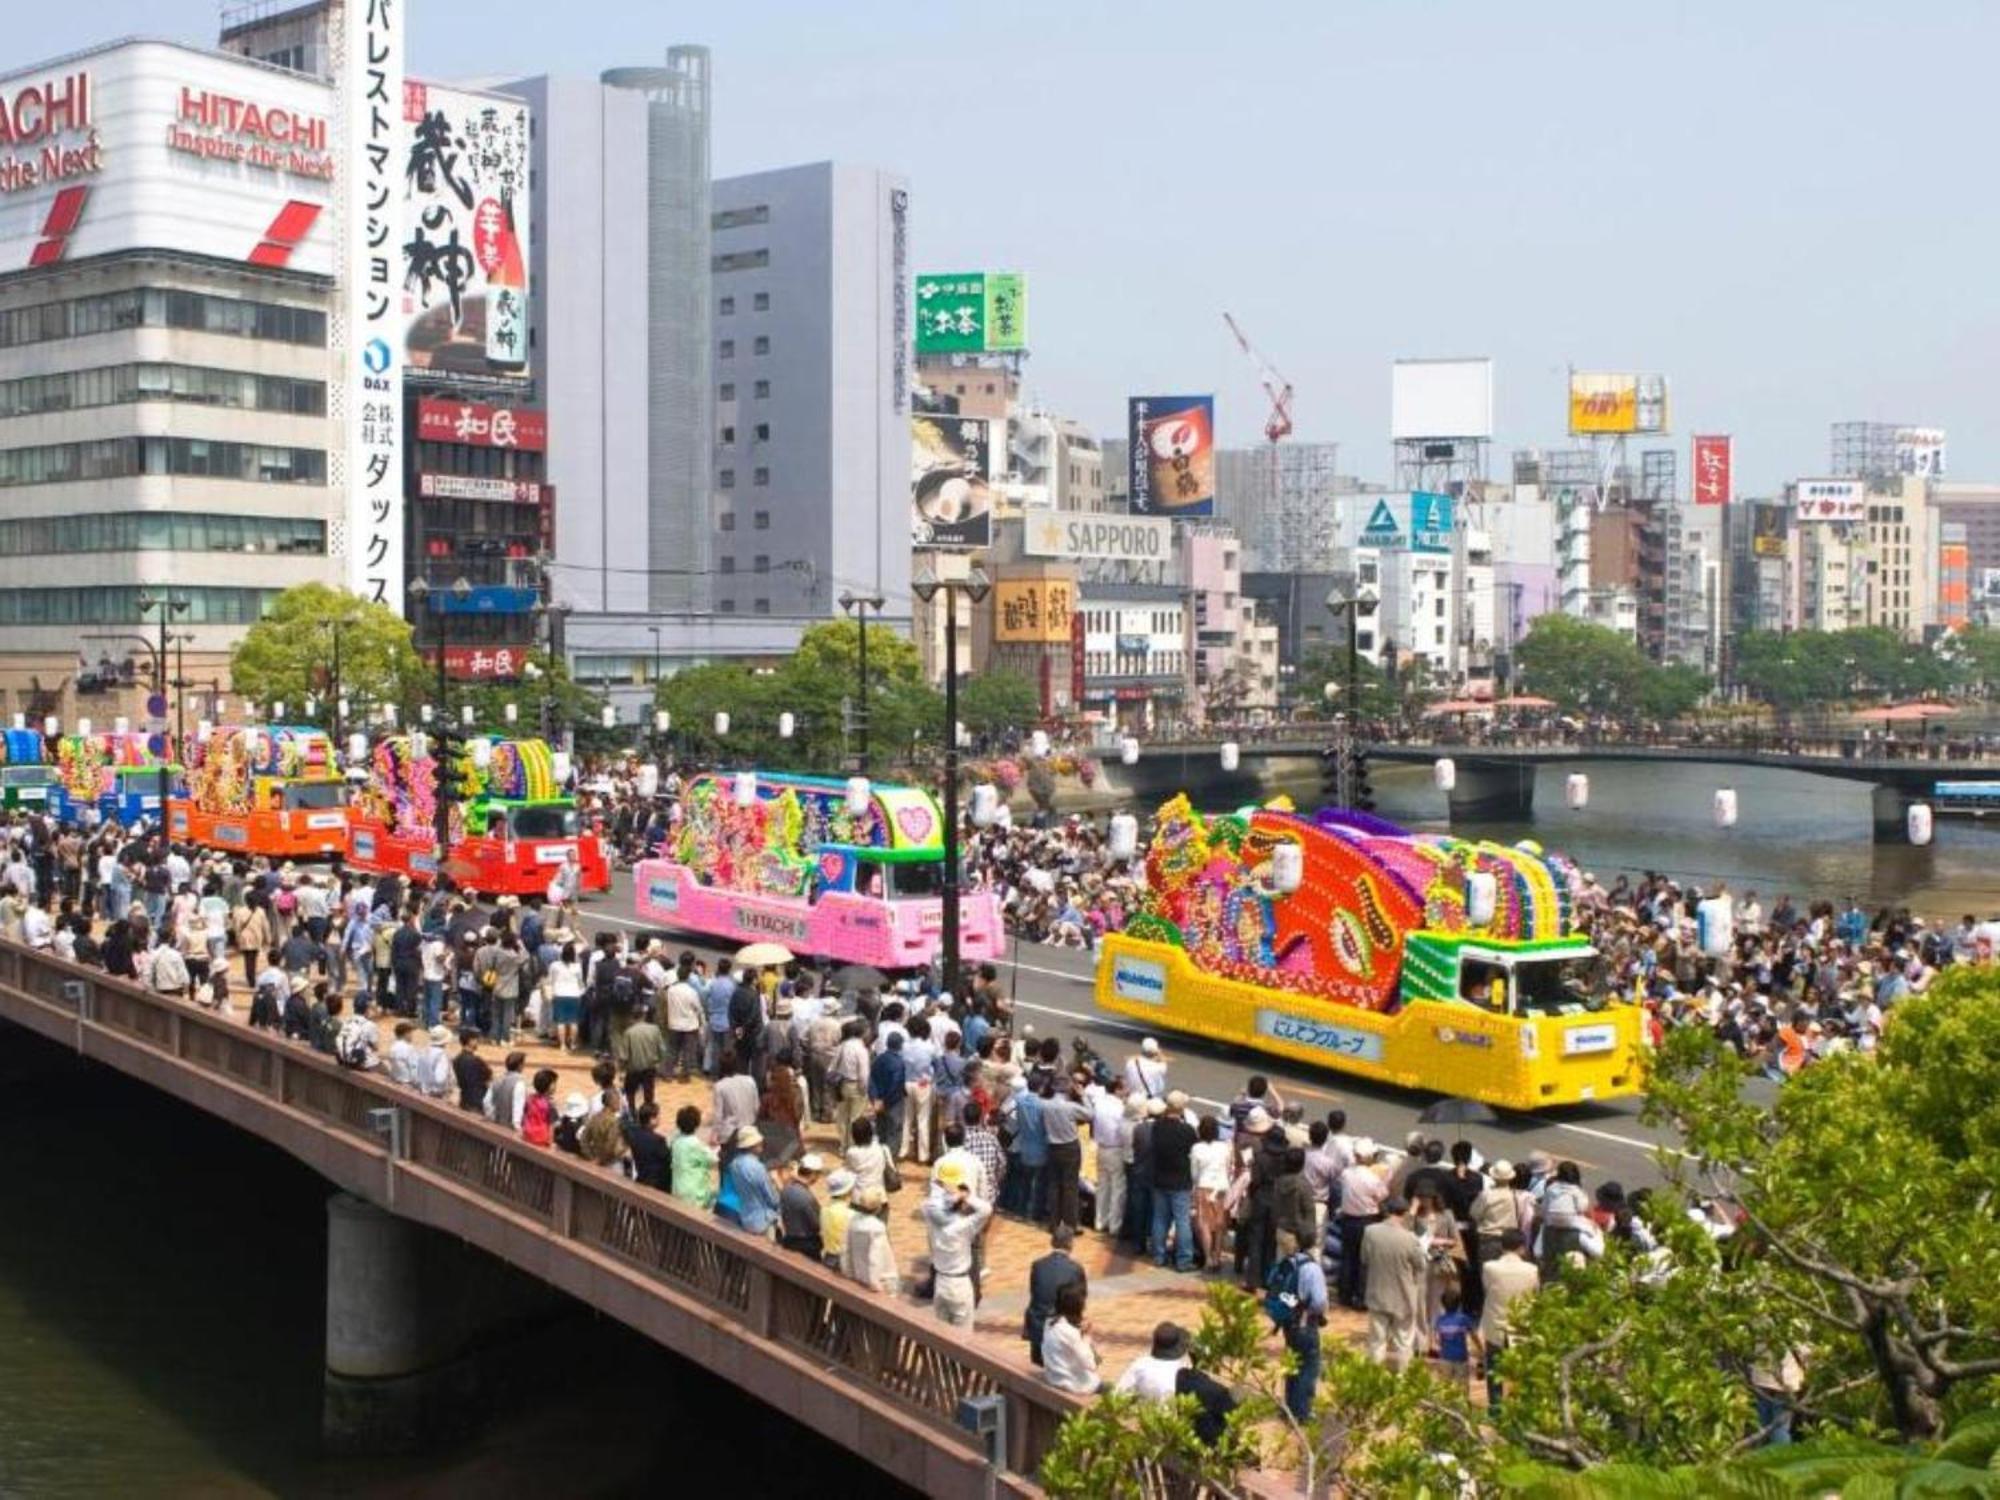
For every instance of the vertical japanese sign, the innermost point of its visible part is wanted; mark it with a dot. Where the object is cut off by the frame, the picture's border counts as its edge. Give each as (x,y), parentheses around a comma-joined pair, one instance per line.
(371,115)
(464,264)
(1172,455)
(1714,463)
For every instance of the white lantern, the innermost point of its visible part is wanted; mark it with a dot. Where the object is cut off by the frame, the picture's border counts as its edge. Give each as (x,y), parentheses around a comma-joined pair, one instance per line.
(786,724)
(1725,807)
(221,707)
(662,721)
(1445,773)
(986,806)
(964,735)
(511,713)
(425,712)
(482,752)
(83,726)
(1715,925)
(312,707)
(52,726)
(746,788)
(857,795)
(277,712)
(649,780)
(1919,823)
(341,704)
(1124,836)
(420,746)
(253,744)
(1482,898)
(202,728)
(121,725)
(609,717)
(357,748)
(389,714)
(721,723)
(1128,751)
(465,715)
(1038,743)
(559,767)
(1288,867)
(1232,756)
(1576,791)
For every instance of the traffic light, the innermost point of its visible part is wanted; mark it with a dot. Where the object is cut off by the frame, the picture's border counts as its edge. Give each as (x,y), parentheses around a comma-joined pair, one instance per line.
(1332,776)
(444,747)
(1361,790)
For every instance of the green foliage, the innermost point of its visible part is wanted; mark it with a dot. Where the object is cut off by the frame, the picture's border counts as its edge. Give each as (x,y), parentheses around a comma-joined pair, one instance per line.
(1807,668)
(571,705)
(1327,666)
(1590,668)
(287,656)
(997,701)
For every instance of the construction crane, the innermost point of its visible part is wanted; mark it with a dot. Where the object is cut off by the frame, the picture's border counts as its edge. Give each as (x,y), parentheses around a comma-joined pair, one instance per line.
(1279,424)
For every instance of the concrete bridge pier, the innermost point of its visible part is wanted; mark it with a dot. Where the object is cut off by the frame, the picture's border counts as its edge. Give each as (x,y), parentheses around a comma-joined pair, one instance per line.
(416,1323)
(1892,813)
(1488,791)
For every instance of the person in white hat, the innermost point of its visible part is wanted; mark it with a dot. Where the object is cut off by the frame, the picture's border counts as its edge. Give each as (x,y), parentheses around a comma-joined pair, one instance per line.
(1146,1071)
(798,1210)
(834,1215)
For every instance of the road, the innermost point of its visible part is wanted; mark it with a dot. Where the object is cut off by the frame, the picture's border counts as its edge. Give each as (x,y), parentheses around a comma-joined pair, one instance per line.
(1053,992)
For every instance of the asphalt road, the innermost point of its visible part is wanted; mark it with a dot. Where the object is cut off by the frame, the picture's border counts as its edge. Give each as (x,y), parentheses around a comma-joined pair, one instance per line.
(1052,990)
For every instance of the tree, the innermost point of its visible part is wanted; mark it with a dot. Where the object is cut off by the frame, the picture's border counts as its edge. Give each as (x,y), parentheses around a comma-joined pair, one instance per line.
(1669,692)
(571,705)
(996,702)
(1327,666)
(287,656)
(1585,668)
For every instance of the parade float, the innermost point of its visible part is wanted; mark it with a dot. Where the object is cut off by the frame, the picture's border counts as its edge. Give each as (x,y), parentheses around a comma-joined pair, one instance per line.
(27,781)
(114,771)
(274,790)
(847,870)
(511,829)
(1341,940)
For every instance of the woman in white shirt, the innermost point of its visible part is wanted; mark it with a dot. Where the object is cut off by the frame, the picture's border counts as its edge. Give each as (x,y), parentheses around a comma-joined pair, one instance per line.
(1069,1359)
(566,997)
(1210,1161)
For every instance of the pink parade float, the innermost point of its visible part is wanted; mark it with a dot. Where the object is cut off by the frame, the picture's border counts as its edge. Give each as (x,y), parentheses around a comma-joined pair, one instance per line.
(845,870)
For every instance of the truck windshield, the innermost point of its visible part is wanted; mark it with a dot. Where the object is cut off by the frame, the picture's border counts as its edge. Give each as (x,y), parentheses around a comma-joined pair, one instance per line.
(544,820)
(308,794)
(912,882)
(26,776)
(1529,986)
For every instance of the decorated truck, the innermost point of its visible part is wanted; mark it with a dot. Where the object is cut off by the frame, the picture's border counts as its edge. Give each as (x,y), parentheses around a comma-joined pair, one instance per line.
(117,773)
(846,870)
(274,790)
(512,831)
(27,780)
(1341,940)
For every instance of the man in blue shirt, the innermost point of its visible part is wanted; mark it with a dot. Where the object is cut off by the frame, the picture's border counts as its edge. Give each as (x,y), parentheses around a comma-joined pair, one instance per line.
(1303,1332)
(715,1000)
(1031,1148)
(887,1087)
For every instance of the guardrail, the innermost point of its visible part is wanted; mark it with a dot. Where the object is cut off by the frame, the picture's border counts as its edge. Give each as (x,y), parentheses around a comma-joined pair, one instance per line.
(862,1371)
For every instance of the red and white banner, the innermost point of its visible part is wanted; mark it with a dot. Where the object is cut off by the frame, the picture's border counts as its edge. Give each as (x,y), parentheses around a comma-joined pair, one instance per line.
(479,487)
(483,663)
(482,426)
(1714,465)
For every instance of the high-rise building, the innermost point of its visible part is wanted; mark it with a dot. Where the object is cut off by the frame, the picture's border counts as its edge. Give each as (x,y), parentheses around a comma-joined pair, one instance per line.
(1286,518)
(812,383)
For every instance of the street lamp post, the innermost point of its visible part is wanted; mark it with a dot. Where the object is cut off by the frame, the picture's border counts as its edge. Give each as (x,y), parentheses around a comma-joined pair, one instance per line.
(168,604)
(927,586)
(421,590)
(858,606)
(334,696)
(556,612)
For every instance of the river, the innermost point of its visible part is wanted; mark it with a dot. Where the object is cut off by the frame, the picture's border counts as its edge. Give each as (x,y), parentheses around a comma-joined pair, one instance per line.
(162,1308)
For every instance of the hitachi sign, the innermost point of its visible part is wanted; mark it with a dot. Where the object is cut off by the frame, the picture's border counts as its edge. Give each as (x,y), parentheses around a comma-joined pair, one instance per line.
(39,110)
(235,116)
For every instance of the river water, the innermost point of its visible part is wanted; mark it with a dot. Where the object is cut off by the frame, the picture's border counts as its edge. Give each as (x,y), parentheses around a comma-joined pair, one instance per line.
(162,1309)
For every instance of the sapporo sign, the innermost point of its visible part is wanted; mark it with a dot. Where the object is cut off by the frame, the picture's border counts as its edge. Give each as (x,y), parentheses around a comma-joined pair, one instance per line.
(972,312)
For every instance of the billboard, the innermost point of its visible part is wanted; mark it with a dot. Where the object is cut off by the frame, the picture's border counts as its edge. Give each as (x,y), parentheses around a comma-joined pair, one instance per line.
(1617,405)
(1034,612)
(368,341)
(1414,521)
(1441,398)
(1954,584)
(464,262)
(147,145)
(1081,538)
(951,495)
(1714,470)
(1768,528)
(1830,499)
(1171,452)
(482,426)
(972,312)
(1920,451)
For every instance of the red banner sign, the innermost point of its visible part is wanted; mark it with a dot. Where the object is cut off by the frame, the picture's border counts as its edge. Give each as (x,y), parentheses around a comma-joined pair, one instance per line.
(1076,657)
(483,663)
(481,425)
(1714,462)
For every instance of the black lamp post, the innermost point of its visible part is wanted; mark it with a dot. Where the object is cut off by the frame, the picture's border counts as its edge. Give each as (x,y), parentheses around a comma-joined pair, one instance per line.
(858,605)
(927,586)
(169,605)
(421,590)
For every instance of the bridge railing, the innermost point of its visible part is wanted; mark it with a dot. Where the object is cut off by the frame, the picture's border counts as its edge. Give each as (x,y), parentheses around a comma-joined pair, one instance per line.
(823,1322)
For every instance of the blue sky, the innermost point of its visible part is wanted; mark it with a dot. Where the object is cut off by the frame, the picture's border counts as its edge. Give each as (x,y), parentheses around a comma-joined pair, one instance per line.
(1786,206)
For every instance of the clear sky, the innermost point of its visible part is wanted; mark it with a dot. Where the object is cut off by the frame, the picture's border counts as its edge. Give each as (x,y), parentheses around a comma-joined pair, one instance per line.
(1787,206)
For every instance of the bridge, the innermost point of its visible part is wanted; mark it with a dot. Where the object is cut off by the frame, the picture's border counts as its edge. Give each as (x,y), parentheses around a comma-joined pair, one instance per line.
(854,1367)
(1497,780)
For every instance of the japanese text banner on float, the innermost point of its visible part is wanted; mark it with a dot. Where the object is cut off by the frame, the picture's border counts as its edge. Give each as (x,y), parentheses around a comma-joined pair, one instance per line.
(464,261)
(372,386)
(1172,455)
(1032,611)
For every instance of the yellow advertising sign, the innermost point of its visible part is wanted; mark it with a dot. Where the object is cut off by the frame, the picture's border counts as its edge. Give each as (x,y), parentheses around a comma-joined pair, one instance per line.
(1034,611)
(1616,405)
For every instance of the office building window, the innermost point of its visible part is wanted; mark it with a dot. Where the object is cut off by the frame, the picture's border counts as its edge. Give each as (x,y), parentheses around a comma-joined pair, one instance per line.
(156,307)
(761,344)
(727,392)
(763,432)
(761,563)
(736,218)
(760,302)
(761,521)
(161,531)
(726,306)
(726,479)
(740,260)
(114,385)
(760,606)
(725,606)
(120,458)
(726,521)
(760,476)
(725,564)
(726,349)
(119,605)
(729,434)
(761,389)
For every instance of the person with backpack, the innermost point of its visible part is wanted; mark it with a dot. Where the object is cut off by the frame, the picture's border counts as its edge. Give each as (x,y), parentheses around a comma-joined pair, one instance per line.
(1295,1299)
(323,1019)
(355,1043)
